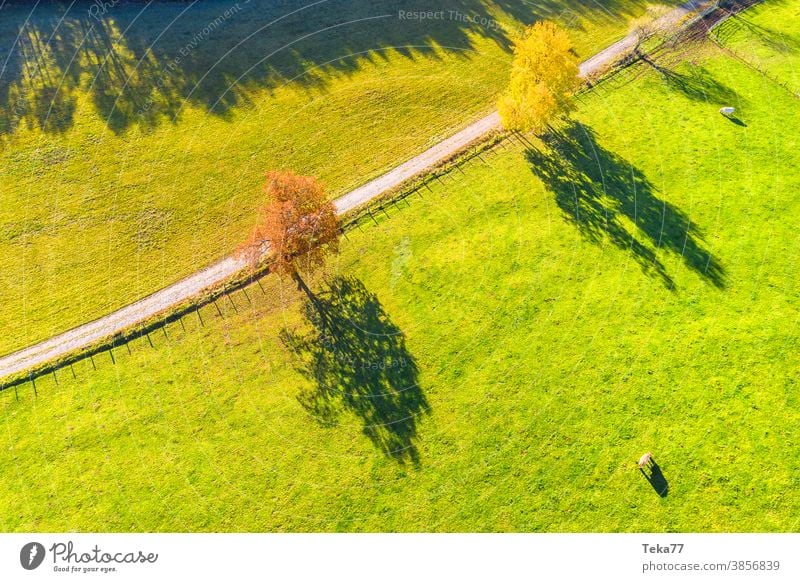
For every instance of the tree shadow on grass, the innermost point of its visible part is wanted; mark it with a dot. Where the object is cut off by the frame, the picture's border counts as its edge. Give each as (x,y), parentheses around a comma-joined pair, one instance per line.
(142,62)
(571,13)
(358,362)
(608,199)
(698,85)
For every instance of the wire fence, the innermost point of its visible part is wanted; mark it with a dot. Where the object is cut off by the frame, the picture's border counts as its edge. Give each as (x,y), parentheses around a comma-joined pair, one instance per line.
(722,34)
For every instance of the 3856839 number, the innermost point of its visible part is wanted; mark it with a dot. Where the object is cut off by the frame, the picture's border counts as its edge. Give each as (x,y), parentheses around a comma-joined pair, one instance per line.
(745,565)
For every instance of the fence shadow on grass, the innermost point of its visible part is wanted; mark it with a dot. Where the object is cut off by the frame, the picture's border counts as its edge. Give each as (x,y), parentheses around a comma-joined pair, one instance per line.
(601,193)
(123,339)
(357,361)
(772,39)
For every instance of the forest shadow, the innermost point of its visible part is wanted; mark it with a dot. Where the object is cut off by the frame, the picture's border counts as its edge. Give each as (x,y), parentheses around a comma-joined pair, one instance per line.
(141,62)
(357,361)
(602,194)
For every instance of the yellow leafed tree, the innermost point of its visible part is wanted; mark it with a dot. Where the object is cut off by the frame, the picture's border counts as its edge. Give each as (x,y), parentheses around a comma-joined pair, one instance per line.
(544,74)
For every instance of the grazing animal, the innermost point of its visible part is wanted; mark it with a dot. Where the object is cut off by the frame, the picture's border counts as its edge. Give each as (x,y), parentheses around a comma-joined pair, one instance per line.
(727,111)
(645,460)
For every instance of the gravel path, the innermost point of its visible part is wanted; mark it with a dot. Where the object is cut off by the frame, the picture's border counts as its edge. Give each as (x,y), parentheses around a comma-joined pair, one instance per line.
(90,333)
(608,55)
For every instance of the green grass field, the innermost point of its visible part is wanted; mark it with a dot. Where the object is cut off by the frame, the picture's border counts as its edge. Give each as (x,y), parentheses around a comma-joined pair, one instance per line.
(766,36)
(133,148)
(507,347)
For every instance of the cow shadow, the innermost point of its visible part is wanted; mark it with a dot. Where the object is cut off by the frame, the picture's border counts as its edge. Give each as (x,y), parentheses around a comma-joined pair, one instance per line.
(655,476)
(608,199)
(357,361)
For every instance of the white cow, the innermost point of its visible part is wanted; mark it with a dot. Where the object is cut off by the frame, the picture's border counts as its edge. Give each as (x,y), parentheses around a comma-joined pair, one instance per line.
(727,111)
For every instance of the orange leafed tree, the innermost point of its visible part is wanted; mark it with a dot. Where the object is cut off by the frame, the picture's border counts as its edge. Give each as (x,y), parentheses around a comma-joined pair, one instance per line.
(296,228)
(544,74)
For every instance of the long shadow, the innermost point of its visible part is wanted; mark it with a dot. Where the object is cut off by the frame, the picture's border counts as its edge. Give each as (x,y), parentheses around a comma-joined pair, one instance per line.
(608,199)
(357,361)
(697,84)
(735,120)
(656,478)
(141,62)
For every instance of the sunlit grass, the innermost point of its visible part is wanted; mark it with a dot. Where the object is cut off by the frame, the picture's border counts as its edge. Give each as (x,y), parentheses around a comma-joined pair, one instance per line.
(548,360)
